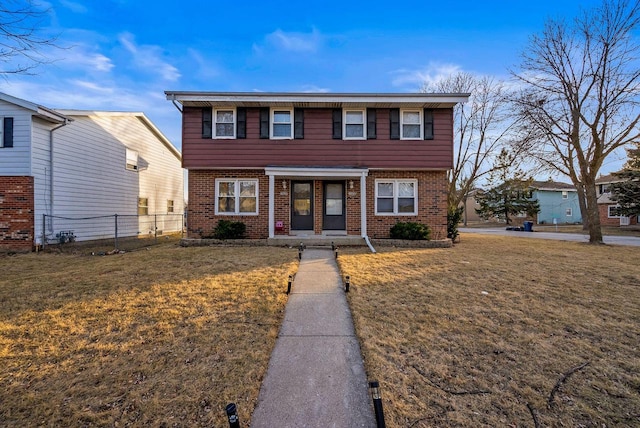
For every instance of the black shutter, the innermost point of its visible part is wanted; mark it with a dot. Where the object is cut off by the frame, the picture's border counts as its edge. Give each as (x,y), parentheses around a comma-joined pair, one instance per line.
(337,124)
(371,124)
(206,122)
(394,122)
(7,135)
(428,124)
(298,117)
(241,122)
(264,122)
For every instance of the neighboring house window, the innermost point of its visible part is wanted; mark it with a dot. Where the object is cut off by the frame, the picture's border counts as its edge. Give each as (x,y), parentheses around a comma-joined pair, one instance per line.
(354,124)
(132,160)
(281,124)
(569,212)
(225,123)
(396,197)
(411,124)
(605,188)
(238,197)
(169,206)
(143,206)
(6,132)
(565,194)
(614,211)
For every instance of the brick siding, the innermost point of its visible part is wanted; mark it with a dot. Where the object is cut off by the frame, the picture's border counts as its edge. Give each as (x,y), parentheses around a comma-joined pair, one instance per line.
(16,213)
(432,203)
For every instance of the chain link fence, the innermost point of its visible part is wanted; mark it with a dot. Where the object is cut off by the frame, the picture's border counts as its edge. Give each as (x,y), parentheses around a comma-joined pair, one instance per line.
(109,233)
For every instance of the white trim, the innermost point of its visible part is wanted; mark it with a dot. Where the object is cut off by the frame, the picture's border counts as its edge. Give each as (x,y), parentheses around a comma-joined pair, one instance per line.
(395,183)
(319,173)
(420,125)
(609,211)
(214,122)
(363,123)
(363,205)
(272,215)
(568,212)
(272,123)
(236,196)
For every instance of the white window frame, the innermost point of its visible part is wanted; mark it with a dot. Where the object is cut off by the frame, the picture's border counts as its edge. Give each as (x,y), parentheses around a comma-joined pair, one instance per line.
(214,123)
(568,212)
(565,194)
(131,162)
(272,123)
(609,211)
(363,123)
(396,183)
(145,206)
(236,196)
(420,125)
(170,206)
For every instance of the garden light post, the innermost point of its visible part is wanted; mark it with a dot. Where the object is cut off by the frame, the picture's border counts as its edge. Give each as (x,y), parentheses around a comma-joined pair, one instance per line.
(374,386)
(232,414)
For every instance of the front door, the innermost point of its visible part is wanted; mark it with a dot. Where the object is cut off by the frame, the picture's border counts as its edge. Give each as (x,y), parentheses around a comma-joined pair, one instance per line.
(302,205)
(333,216)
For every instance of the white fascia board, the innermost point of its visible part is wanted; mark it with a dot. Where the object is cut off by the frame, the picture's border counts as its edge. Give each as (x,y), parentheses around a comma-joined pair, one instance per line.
(41,111)
(315,172)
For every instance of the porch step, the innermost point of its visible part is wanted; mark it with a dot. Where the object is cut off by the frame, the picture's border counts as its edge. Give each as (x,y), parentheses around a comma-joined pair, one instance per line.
(316,241)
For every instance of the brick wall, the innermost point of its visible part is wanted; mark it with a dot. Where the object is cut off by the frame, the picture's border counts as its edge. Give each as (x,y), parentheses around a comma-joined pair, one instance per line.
(201,218)
(16,213)
(432,203)
(603,209)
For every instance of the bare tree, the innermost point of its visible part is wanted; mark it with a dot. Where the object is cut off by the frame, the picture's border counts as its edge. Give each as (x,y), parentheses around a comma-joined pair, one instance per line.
(582,94)
(481,128)
(21,39)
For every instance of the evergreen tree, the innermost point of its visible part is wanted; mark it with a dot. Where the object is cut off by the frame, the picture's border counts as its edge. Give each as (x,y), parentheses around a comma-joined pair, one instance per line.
(510,192)
(627,192)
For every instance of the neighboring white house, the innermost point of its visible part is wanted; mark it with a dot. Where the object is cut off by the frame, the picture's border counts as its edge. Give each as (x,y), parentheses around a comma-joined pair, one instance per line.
(83,164)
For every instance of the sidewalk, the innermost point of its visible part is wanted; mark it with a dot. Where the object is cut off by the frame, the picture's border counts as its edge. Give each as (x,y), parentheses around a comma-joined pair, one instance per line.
(316,376)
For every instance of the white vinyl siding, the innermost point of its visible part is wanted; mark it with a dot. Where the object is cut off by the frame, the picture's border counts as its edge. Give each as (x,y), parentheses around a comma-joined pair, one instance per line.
(16,160)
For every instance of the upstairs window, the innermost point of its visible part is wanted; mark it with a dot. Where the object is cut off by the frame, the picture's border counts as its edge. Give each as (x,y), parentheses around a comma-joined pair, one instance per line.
(6,132)
(411,125)
(354,124)
(565,194)
(132,160)
(225,123)
(396,197)
(281,124)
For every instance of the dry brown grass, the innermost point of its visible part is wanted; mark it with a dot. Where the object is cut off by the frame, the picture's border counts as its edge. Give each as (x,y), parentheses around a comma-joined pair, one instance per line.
(479,335)
(159,337)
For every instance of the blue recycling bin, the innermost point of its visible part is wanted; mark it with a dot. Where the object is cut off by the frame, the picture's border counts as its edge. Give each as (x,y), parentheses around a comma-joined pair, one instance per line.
(528,226)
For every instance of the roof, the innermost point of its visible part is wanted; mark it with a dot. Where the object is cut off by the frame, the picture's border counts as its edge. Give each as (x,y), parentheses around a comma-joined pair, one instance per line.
(42,112)
(139,115)
(552,185)
(609,178)
(316,99)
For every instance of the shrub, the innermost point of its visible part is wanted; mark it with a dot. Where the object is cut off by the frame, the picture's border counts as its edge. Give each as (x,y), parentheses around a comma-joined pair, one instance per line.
(410,230)
(226,229)
(454,216)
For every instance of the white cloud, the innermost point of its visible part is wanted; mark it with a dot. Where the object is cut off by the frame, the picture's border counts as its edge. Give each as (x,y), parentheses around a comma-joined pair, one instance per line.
(73,6)
(149,58)
(430,75)
(293,41)
(313,89)
(205,69)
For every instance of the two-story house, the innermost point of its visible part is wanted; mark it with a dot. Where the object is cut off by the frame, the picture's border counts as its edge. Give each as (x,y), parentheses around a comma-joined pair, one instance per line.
(608,209)
(558,202)
(60,165)
(312,164)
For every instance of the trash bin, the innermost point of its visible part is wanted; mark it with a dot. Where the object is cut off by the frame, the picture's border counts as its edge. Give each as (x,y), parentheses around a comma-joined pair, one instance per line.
(528,226)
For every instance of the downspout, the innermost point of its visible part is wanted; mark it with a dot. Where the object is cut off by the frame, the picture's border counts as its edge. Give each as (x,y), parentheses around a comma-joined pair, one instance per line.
(173,100)
(366,239)
(66,122)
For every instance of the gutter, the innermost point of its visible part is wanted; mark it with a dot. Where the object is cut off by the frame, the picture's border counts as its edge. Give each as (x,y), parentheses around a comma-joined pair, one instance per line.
(65,123)
(366,239)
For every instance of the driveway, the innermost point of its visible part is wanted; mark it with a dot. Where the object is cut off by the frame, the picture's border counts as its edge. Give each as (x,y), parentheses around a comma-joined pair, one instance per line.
(576,237)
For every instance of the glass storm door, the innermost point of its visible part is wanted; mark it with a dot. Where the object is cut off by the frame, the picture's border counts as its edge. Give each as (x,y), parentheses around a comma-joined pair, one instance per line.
(333,216)
(302,205)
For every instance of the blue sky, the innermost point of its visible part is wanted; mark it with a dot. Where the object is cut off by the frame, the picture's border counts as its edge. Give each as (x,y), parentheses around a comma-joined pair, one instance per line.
(123,54)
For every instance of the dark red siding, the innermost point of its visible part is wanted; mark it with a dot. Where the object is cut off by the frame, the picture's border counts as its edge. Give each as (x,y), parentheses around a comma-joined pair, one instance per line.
(318,148)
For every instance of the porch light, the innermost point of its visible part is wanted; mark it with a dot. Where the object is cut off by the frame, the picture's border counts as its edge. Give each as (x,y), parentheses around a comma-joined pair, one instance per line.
(351,184)
(284,184)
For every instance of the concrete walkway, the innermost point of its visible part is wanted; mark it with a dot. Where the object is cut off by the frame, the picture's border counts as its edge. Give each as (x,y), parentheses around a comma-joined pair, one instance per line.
(316,376)
(558,236)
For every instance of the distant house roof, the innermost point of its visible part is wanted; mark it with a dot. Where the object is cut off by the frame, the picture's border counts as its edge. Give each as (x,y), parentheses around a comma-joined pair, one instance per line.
(42,112)
(316,99)
(606,179)
(139,115)
(551,185)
